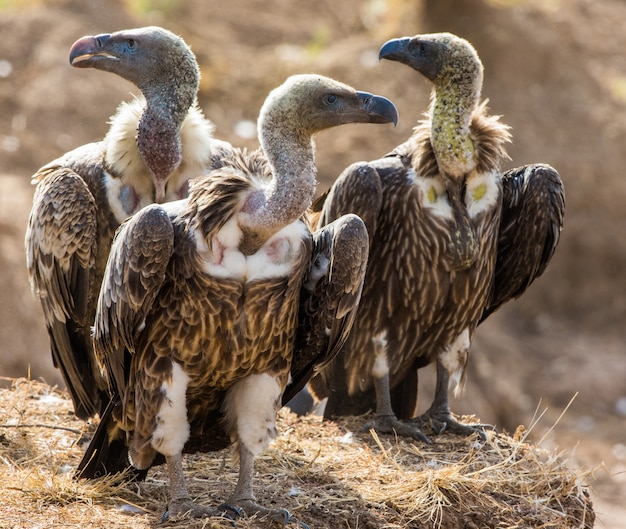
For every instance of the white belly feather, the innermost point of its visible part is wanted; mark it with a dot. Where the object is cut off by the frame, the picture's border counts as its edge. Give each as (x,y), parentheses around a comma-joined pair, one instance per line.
(274,259)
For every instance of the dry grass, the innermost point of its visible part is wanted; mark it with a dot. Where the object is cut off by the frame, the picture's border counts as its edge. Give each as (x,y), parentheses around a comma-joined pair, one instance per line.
(330,475)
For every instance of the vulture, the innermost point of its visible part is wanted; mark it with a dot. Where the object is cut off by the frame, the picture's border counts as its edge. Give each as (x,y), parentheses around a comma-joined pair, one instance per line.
(155,144)
(451,240)
(214,306)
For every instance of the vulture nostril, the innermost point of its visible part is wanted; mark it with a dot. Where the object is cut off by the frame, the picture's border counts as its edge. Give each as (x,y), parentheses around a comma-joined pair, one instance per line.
(101,40)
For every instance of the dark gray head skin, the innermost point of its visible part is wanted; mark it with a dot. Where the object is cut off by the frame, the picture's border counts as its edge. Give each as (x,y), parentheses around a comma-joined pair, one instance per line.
(440,57)
(164,68)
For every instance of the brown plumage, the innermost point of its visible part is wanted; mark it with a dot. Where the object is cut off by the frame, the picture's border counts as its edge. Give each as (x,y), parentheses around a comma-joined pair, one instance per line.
(200,303)
(451,240)
(154,146)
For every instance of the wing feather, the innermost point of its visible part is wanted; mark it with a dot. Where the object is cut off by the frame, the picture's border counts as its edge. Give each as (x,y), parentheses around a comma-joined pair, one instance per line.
(533,208)
(358,190)
(133,277)
(61,245)
(329,298)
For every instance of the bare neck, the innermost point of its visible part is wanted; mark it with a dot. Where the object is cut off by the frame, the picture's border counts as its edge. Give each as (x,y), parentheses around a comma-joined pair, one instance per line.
(291,156)
(158,131)
(451,112)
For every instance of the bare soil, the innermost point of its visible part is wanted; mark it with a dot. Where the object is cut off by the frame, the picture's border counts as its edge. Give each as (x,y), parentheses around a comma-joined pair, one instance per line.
(555,71)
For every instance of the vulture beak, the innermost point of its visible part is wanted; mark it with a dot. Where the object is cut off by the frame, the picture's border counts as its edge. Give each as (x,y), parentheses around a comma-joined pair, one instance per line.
(377,109)
(87,50)
(420,53)
(395,50)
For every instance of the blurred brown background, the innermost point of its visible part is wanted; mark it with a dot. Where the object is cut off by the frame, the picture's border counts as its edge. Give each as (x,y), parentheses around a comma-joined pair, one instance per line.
(555,70)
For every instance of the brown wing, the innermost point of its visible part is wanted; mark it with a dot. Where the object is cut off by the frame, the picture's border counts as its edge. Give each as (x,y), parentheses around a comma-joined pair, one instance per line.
(135,270)
(61,246)
(134,274)
(358,190)
(67,241)
(329,297)
(533,207)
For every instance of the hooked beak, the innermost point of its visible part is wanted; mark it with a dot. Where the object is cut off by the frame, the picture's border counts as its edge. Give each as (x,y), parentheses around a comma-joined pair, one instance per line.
(378,109)
(88,50)
(394,49)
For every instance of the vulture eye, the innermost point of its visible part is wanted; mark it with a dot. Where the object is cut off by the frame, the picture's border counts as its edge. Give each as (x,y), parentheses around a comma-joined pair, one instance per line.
(330,99)
(131,43)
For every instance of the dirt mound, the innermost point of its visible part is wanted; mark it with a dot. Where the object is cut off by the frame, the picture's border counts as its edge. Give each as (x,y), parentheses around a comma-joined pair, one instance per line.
(326,474)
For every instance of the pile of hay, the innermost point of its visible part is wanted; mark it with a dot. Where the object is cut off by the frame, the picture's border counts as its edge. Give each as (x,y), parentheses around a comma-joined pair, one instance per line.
(329,475)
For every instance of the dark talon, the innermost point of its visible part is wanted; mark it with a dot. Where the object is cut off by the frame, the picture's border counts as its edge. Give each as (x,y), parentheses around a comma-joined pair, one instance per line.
(231,509)
(165,517)
(442,420)
(279,517)
(482,435)
(391,425)
(293,519)
(286,515)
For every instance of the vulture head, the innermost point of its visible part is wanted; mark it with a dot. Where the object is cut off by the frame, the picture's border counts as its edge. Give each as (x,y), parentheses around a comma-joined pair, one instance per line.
(289,118)
(165,69)
(309,103)
(443,58)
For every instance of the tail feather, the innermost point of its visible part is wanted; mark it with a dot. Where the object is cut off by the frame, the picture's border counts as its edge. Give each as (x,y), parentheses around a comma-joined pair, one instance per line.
(107,452)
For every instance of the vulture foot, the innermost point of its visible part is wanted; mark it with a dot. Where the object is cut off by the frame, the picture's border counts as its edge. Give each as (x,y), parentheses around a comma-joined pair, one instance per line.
(391,424)
(186,507)
(282,517)
(442,420)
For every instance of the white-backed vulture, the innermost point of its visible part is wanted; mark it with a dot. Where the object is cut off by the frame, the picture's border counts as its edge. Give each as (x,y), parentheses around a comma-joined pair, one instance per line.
(201,306)
(155,144)
(451,239)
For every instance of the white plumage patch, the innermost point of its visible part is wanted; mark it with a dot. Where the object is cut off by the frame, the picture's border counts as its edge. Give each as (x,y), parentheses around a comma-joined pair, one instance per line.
(277,256)
(223,258)
(433,196)
(172,429)
(250,408)
(454,360)
(274,259)
(193,135)
(174,208)
(381,364)
(482,193)
(411,176)
(125,198)
(124,159)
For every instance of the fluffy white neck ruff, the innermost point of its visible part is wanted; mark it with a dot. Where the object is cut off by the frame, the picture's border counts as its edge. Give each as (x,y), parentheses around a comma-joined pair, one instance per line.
(128,170)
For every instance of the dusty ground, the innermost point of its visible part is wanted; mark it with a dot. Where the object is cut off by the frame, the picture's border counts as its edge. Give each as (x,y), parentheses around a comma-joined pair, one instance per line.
(328,475)
(555,70)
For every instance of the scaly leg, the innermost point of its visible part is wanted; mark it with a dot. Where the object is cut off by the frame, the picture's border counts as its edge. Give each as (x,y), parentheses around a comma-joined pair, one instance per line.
(439,416)
(250,407)
(243,496)
(386,420)
(180,500)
